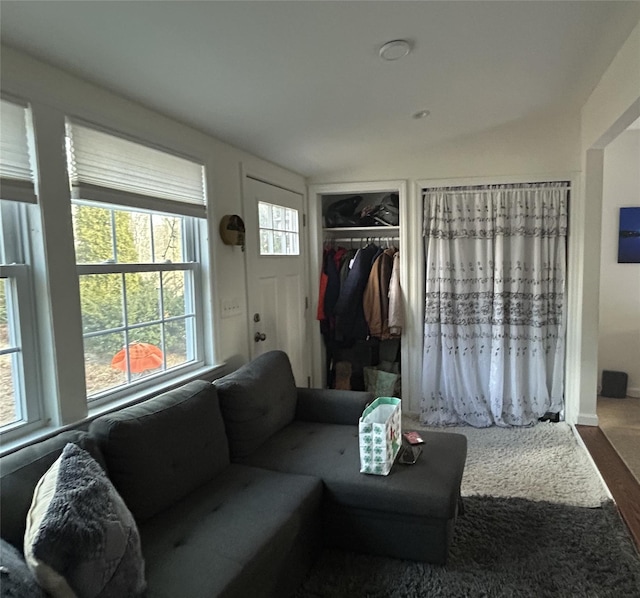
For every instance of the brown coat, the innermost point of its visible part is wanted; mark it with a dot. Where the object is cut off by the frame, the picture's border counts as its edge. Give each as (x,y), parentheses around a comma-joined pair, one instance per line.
(375,300)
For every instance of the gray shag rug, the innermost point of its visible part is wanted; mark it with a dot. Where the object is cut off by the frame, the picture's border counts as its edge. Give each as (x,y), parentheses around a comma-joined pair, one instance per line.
(502,547)
(543,462)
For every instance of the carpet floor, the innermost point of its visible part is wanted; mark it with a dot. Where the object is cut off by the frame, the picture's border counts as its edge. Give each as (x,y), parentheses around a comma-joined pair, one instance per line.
(502,547)
(544,462)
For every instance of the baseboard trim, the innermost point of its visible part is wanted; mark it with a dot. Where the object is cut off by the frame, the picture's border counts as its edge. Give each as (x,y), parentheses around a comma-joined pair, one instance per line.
(633,392)
(587,420)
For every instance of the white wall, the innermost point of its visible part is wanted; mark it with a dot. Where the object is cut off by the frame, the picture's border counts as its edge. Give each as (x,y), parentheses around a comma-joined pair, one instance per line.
(536,148)
(619,337)
(537,144)
(59,92)
(612,106)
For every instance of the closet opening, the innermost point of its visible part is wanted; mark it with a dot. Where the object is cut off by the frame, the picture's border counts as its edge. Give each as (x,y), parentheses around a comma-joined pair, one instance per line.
(495,309)
(359,306)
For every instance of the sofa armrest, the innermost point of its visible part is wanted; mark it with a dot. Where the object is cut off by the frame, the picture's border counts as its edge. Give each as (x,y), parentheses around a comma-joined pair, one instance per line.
(329,406)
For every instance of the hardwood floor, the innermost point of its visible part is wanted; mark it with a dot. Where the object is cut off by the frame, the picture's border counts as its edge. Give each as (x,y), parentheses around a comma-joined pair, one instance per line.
(621,482)
(619,419)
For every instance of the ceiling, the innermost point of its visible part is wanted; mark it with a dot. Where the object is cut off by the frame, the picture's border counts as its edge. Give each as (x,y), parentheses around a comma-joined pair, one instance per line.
(301,83)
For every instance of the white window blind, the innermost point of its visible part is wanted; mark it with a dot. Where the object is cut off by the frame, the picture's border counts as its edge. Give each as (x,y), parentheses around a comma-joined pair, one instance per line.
(16,174)
(109,169)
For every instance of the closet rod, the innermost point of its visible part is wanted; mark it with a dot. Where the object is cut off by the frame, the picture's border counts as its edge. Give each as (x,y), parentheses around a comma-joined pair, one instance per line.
(354,239)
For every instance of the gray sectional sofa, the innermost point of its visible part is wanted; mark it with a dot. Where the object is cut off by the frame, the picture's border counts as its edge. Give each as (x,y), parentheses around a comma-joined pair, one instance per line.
(237,485)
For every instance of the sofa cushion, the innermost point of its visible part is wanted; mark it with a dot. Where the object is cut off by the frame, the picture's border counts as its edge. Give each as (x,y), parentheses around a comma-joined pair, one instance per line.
(16,579)
(430,488)
(332,406)
(20,472)
(238,535)
(257,400)
(81,539)
(160,450)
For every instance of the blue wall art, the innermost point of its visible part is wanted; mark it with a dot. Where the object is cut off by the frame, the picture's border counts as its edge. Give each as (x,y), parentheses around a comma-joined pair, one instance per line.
(629,236)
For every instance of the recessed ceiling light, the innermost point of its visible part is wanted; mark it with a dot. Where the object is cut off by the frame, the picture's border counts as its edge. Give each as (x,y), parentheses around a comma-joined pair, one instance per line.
(421,114)
(395,49)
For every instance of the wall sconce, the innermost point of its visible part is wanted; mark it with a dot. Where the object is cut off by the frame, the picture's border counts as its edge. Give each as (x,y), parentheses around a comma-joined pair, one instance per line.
(232,230)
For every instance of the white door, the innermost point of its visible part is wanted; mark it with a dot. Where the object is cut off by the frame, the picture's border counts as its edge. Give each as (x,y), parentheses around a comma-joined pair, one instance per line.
(276,278)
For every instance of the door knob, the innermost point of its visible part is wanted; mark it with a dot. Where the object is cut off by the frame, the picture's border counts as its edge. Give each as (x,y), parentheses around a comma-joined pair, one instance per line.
(260,336)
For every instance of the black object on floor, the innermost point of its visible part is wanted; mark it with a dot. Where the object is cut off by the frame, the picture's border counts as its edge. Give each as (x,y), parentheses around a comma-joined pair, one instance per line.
(614,384)
(550,416)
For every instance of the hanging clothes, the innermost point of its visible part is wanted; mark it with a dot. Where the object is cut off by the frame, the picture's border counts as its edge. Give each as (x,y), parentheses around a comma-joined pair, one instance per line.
(350,321)
(396,308)
(333,283)
(375,299)
(320,315)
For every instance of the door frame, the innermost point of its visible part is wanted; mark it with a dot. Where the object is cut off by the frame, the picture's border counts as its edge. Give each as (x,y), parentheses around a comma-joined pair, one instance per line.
(288,182)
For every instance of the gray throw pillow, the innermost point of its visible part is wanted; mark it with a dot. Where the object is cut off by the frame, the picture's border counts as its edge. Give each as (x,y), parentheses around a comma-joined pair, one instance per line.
(81,539)
(16,580)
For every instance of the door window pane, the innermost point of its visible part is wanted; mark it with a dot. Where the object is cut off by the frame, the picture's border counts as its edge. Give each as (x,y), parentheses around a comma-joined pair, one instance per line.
(264,215)
(278,230)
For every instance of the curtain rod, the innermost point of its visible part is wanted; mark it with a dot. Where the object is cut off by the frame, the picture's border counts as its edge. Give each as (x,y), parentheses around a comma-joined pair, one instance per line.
(501,187)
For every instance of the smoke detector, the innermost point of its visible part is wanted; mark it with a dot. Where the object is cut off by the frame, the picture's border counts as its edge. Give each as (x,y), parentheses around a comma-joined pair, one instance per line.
(395,49)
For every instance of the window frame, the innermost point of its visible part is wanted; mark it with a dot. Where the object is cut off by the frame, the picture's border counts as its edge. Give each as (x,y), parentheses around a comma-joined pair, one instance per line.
(17,199)
(15,269)
(60,399)
(193,293)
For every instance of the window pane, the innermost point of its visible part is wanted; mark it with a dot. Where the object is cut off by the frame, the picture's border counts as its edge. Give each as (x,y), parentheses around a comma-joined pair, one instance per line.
(173,294)
(145,351)
(273,239)
(278,242)
(4,322)
(8,413)
(167,238)
(143,297)
(292,244)
(93,234)
(140,226)
(101,371)
(101,300)
(278,217)
(127,252)
(264,215)
(266,242)
(292,220)
(176,336)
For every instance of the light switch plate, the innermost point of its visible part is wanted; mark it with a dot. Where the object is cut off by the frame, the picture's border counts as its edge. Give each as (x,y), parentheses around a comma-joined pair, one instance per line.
(231,307)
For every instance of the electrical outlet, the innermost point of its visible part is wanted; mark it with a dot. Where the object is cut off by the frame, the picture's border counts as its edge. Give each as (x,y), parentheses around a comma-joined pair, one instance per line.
(231,307)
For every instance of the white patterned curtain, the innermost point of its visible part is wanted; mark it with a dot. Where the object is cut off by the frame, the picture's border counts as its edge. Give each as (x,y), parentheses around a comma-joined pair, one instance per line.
(495,304)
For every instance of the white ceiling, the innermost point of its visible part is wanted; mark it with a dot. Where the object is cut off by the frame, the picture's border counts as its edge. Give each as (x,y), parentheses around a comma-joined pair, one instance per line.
(301,83)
